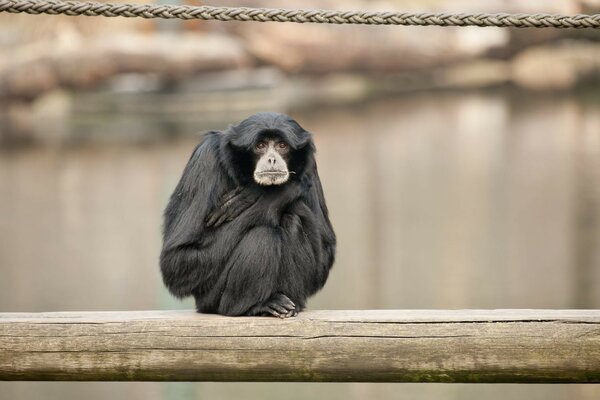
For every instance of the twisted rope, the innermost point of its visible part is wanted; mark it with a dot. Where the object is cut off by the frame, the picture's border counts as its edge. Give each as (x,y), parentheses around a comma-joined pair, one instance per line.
(55,7)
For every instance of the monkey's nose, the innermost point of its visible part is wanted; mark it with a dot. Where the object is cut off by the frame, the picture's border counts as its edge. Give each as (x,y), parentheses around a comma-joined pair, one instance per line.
(271,160)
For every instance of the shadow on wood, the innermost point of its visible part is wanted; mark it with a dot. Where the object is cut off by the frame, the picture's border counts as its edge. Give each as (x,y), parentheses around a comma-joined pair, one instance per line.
(528,346)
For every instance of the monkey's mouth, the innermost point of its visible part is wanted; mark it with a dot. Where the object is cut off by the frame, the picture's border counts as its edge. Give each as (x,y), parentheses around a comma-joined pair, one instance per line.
(272,173)
(271,177)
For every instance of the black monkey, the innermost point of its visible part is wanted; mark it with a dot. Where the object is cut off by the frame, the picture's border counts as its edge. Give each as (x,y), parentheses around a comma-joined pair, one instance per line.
(247,230)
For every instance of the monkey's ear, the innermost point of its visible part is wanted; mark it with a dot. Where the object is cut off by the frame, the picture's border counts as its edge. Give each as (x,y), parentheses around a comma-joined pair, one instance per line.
(304,139)
(299,138)
(240,137)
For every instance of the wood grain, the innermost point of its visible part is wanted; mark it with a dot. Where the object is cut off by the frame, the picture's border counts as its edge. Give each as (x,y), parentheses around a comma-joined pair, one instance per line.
(529,346)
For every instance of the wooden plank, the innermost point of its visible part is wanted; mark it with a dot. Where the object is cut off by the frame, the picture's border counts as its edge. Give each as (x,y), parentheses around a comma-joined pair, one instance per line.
(529,346)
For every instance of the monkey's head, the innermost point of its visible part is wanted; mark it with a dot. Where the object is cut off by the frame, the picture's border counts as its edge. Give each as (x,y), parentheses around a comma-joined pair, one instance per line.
(269,148)
(271,158)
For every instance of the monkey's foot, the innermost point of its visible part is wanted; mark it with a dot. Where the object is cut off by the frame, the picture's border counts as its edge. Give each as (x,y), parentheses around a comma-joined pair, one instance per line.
(279,306)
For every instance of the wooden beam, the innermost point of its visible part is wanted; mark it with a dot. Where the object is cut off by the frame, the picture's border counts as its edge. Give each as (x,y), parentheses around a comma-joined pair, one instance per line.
(529,346)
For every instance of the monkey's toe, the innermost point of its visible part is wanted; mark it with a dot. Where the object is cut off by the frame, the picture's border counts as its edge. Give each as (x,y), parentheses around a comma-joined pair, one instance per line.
(281,306)
(284,301)
(275,313)
(282,315)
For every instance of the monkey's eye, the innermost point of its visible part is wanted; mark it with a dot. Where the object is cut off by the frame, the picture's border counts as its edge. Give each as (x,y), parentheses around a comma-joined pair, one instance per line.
(260,145)
(282,145)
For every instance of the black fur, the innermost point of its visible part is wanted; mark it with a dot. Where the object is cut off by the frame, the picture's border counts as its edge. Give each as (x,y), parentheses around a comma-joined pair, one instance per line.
(240,248)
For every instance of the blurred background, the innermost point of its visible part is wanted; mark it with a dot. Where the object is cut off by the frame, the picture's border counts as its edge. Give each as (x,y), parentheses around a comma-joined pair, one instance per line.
(461,165)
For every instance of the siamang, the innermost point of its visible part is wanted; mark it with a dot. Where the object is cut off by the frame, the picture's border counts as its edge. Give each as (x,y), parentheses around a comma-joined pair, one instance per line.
(246,231)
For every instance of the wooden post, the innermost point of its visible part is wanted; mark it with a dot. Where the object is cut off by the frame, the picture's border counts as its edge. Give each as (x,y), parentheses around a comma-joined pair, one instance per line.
(528,346)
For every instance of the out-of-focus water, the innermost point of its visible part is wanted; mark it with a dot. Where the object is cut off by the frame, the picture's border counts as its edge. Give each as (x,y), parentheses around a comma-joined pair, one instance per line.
(472,200)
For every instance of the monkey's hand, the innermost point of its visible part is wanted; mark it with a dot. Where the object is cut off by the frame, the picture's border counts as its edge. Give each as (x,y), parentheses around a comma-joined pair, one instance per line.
(231,205)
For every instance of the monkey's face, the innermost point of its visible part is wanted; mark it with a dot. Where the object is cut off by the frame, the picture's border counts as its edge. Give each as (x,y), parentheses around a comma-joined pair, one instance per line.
(271,157)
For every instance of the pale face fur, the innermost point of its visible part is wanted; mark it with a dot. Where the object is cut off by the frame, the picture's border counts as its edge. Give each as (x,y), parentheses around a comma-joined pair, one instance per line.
(272,156)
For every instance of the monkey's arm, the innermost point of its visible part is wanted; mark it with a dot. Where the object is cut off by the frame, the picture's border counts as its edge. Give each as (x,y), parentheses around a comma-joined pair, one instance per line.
(188,261)
(242,198)
(316,202)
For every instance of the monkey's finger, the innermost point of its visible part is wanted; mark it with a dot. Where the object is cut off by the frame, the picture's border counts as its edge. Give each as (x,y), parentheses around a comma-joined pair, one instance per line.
(212,218)
(229,197)
(223,217)
(233,193)
(229,202)
(208,221)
